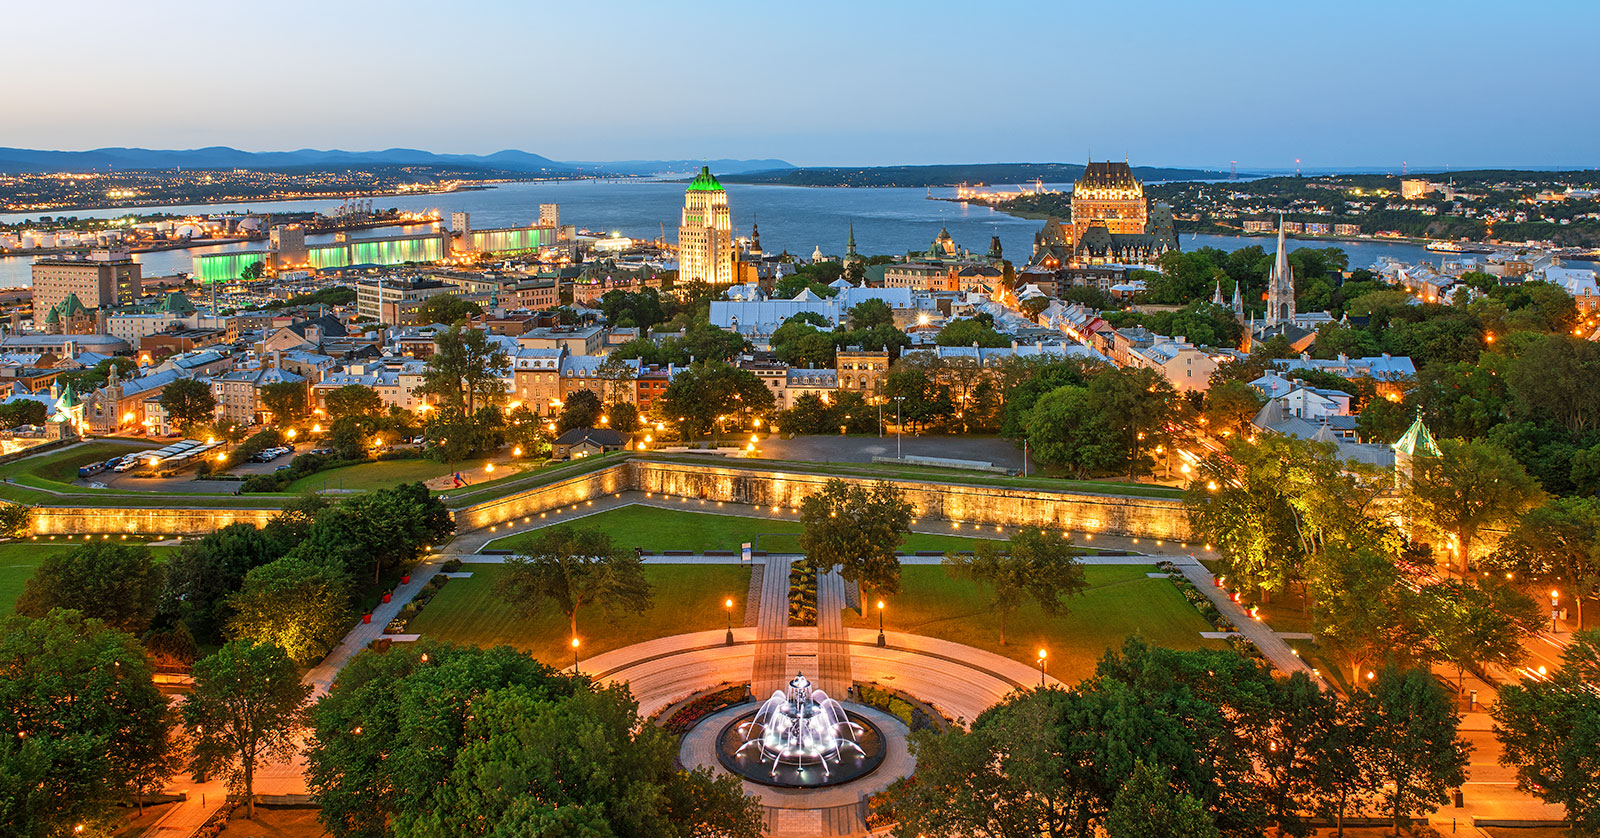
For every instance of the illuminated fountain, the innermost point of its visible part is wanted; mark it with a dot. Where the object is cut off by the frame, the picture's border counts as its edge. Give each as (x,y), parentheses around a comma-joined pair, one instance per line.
(800,739)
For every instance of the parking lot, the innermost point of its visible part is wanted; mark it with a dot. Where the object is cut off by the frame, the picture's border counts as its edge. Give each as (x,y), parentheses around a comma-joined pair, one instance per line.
(183,481)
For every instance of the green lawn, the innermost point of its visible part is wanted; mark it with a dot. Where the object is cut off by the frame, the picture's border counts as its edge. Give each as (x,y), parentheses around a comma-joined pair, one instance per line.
(657,529)
(19,558)
(367,476)
(687,598)
(57,469)
(1120,601)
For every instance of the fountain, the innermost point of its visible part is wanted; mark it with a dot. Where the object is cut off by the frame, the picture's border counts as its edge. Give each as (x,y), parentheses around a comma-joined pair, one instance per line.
(800,740)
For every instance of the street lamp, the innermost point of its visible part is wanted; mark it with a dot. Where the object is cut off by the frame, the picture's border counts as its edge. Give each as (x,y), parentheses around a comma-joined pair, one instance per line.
(574,656)
(1042,655)
(881,642)
(1555,597)
(899,427)
(727,605)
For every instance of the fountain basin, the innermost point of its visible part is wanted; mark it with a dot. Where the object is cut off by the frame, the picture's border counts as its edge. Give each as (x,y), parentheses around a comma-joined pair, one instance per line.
(759,766)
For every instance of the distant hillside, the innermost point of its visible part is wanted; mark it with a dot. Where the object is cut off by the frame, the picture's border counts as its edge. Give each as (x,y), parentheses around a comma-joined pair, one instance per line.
(21,160)
(663,167)
(972,174)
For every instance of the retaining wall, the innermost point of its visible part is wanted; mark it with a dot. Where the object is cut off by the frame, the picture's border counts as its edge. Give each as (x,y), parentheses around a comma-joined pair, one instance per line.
(58,520)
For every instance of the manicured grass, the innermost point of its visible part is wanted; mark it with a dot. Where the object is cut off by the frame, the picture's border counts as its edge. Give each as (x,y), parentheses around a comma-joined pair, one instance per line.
(687,598)
(18,559)
(547,473)
(367,476)
(657,529)
(61,467)
(1120,601)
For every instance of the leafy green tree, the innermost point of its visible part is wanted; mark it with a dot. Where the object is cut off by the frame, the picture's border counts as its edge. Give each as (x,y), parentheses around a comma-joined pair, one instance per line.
(447,309)
(1549,731)
(1023,381)
(82,725)
(1033,306)
(1551,381)
(1416,751)
(1065,428)
(1472,486)
(1470,624)
(466,371)
(856,529)
(243,711)
(1230,407)
(1238,501)
(1558,540)
(443,740)
(16,520)
(913,386)
(809,415)
(616,377)
(581,409)
(1342,763)
(869,314)
(1298,724)
(23,412)
(117,583)
(1138,404)
(1034,565)
(300,606)
(970,332)
(709,392)
(187,402)
(1146,807)
(1360,608)
(202,574)
(570,567)
(352,400)
(386,529)
(285,400)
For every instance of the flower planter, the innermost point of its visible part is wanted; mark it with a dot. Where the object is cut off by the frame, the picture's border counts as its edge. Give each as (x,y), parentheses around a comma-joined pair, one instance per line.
(406,579)
(366,618)
(387,597)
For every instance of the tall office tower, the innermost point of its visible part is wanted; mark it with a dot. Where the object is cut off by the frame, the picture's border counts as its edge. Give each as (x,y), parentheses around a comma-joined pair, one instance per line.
(705,238)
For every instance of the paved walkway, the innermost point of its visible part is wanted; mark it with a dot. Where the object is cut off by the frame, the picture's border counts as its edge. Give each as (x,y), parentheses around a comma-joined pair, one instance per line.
(771,660)
(1271,645)
(833,655)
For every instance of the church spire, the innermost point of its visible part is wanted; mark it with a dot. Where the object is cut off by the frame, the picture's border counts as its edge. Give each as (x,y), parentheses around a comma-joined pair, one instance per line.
(1280,285)
(1216,297)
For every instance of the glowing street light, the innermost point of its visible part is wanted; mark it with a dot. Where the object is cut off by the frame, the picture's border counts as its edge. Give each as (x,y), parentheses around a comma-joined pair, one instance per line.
(574,656)
(1555,597)
(727,605)
(1042,655)
(881,641)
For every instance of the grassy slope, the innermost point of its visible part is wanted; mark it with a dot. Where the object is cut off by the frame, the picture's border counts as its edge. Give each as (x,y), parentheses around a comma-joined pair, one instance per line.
(658,529)
(366,476)
(1120,601)
(687,598)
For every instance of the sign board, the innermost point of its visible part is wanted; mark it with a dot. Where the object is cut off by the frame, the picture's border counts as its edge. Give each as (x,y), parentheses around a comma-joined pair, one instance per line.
(744,552)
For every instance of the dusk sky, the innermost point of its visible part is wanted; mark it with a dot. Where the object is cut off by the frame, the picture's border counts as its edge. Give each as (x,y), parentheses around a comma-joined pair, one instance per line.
(1336,84)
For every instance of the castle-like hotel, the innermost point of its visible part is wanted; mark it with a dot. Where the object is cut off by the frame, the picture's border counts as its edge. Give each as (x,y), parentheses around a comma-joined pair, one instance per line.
(1112,223)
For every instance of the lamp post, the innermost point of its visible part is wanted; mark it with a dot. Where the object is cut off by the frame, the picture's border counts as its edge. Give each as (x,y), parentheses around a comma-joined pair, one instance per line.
(899,427)
(574,656)
(1042,655)
(881,642)
(1555,597)
(727,605)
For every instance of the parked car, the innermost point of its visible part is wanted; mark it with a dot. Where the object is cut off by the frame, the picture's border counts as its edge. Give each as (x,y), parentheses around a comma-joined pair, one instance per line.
(91,469)
(127,464)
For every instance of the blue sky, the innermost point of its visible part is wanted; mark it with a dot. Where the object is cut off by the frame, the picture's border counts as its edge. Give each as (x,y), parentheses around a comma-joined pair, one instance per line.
(1336,84)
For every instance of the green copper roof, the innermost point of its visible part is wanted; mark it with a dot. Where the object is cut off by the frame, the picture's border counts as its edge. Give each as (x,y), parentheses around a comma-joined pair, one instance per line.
(705,181)
(1417,442)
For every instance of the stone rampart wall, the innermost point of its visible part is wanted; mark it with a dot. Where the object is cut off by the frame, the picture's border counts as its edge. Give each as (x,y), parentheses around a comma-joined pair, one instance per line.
(59,520)
(573,491)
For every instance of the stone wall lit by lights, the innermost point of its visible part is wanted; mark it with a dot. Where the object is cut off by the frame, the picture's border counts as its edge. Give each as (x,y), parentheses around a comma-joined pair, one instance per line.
(57,520)
(966,508)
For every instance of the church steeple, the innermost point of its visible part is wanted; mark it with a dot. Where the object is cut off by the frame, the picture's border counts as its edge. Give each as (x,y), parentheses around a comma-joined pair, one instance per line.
(1238,299)
(850,245)
(755,235)
(1216,296)
(1280,286)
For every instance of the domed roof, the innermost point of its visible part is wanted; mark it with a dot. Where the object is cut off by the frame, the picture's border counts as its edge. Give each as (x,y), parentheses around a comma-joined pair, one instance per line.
(705,181)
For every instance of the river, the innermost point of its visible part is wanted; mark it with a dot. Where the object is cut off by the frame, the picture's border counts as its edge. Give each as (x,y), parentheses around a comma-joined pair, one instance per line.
(796,219)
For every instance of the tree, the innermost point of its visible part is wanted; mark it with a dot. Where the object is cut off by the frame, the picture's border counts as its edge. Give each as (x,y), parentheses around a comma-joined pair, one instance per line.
(243,711)
(203,573)
(1230,406)
(187,402)
(970,332)
(113,582)
(1037,565)
(572,567)
(82,725)
(1549,730)
(1469,624)
(1416,751)
(1065,428)
(385,529)
(1360,608)
(708,392)
(869,314)
(253,271)
(297,605)
(1146,807)
(16,519)
(616,376)
(1299,724)
(913,385)
(447,309)
(285,400)
(466,371)
(1033,306)
(1472,486)
(1342,763)
(425,738)
(1137,404)
(352,400)
(1558,540)
(581,409)
(856,529)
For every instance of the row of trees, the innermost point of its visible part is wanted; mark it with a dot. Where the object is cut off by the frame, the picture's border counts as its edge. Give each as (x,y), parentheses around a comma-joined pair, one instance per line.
(1165,743)
(292,583)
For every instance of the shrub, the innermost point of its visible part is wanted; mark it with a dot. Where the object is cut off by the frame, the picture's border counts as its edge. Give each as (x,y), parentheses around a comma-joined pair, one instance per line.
(451,566)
